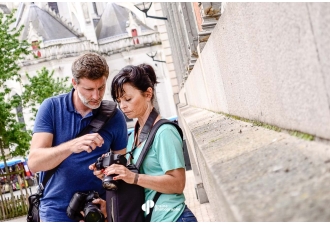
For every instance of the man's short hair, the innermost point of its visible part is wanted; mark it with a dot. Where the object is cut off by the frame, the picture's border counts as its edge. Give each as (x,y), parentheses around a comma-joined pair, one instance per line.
(91,66)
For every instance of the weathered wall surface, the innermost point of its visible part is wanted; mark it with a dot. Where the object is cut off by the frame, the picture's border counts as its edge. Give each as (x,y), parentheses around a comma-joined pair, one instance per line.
(268,62)
(254,174)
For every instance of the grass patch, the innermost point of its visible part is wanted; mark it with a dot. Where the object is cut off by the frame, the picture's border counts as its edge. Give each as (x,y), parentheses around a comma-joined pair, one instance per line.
(267,126)
(298,134)
(215,140)
(302,135)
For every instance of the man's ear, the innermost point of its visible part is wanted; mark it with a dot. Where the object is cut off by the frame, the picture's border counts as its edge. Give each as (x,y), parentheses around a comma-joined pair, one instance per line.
(74,83)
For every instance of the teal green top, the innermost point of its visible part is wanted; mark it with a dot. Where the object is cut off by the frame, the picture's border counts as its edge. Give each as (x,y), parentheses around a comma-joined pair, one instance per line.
(165,154)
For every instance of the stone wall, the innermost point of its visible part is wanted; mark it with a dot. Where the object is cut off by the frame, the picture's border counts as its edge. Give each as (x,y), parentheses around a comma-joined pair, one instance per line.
(269,63)
(255,174)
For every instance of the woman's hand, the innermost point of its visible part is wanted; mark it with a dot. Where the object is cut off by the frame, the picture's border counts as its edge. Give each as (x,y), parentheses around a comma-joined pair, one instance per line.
(98,173)
(122,173)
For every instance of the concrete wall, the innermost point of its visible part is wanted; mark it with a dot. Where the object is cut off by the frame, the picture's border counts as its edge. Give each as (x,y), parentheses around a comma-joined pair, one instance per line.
(268,62)
(250,173)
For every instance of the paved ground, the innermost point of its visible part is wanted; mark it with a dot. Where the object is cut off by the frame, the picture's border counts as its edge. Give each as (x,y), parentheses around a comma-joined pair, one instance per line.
(202,212)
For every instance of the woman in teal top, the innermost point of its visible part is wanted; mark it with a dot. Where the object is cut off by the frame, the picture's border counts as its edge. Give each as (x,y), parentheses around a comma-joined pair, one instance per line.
(163,169)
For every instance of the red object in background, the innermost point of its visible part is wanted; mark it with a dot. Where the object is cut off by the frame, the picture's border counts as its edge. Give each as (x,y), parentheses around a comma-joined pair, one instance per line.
(135,34)
(26,169)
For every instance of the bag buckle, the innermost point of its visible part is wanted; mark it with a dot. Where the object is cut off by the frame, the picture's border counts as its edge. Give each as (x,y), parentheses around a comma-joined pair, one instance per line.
(40,189)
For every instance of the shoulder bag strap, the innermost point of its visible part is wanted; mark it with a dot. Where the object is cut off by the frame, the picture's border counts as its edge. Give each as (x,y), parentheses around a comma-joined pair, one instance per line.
(103,115)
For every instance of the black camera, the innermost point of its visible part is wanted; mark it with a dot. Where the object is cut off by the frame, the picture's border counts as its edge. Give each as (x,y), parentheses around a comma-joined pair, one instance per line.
(81,201)
(109,159)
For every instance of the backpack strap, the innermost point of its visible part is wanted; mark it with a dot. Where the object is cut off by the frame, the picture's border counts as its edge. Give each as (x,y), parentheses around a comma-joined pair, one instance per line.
(102,115)
(151,138)
(148,217)
(146,148)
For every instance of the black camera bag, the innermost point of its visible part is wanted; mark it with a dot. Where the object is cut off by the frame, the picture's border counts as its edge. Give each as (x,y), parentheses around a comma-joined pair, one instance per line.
(33,213)
(102,115)
(125,203)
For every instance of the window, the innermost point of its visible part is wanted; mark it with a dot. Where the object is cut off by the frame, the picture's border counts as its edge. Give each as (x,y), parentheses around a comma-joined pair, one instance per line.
(134,35)
(35,45)
(53,6)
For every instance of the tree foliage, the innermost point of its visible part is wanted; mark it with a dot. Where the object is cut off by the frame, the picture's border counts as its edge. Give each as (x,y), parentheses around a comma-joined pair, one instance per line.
(12,133)
(42,86)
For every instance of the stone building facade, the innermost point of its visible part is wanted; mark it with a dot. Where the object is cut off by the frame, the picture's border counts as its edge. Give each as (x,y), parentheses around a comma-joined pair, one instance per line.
(254,105)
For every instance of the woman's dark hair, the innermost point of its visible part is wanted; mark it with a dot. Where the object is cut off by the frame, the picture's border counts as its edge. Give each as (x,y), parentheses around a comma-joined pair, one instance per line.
(141,77)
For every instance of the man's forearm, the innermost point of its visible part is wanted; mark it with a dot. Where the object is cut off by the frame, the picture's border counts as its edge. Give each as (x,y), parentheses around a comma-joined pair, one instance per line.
(43,159)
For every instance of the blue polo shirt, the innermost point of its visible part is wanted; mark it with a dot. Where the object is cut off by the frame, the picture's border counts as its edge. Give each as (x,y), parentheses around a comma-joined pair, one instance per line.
(57,115)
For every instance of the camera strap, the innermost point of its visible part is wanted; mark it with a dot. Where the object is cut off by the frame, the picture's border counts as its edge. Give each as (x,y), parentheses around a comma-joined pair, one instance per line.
(144,132)
(100,117)
(147,126)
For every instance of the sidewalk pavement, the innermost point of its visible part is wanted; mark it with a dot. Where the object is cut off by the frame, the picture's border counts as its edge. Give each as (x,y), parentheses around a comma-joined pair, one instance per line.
(202,212)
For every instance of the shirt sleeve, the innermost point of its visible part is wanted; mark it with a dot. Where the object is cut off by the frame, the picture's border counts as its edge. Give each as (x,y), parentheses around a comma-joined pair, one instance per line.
(168,145)
(44,118)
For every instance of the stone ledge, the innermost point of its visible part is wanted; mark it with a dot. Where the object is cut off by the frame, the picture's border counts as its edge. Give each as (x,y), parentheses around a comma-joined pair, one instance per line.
(254,174)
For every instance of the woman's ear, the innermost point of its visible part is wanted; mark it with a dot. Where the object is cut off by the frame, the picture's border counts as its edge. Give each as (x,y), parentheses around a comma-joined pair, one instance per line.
(148,93)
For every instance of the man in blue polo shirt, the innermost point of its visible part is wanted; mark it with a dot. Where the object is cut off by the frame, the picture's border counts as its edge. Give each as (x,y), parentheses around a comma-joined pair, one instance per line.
(58,121)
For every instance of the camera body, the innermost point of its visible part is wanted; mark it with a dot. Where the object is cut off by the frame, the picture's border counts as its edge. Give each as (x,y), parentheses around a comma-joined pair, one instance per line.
(109,159)
(81,201)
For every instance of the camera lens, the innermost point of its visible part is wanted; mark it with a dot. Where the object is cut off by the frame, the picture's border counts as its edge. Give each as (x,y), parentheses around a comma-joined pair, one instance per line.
(93,217)
(109,183)
(110,186)
(93,213)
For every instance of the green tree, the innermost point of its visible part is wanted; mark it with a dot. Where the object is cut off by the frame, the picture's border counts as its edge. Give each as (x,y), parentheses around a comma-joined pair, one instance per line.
(12,133)
(42,86)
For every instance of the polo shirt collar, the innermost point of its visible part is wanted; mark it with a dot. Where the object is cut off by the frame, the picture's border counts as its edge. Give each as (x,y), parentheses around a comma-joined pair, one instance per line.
(69,101)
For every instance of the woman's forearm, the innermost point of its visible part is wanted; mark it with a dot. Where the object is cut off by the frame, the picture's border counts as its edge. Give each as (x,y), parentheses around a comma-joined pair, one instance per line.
(173,182)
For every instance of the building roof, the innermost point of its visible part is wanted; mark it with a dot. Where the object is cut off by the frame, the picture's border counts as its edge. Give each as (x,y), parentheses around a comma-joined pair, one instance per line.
(4,9)
(144,27)
(112,21)
(45,25)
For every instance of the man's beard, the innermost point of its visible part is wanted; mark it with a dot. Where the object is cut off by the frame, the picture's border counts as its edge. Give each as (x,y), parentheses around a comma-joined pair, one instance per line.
(86,102)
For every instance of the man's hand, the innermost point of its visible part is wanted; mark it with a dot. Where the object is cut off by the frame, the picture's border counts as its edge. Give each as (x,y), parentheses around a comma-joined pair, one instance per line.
(86,143)
(103,206)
